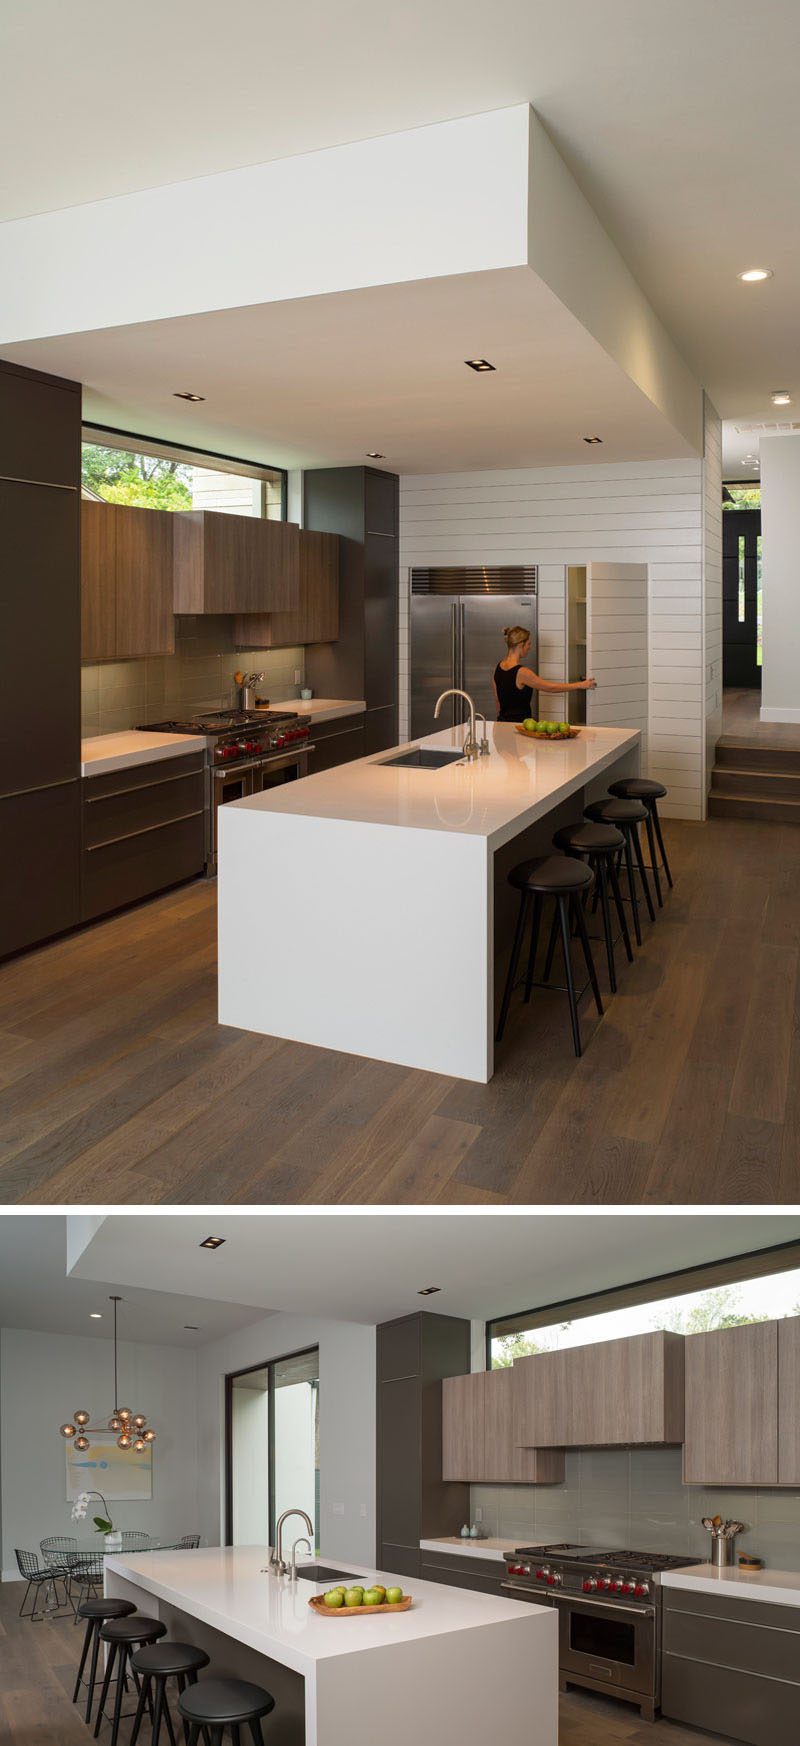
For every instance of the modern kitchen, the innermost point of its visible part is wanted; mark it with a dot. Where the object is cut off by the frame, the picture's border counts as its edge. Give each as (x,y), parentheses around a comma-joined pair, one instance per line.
(570,1485)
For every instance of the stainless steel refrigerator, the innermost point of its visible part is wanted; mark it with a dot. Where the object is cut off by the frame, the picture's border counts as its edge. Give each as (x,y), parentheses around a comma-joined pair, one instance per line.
(457,639)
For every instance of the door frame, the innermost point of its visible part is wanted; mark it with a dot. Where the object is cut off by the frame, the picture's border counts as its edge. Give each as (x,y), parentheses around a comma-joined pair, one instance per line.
(231,1377)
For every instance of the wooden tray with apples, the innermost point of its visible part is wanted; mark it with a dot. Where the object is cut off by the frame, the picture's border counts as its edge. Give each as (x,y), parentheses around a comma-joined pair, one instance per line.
(354,1609)
(557,731)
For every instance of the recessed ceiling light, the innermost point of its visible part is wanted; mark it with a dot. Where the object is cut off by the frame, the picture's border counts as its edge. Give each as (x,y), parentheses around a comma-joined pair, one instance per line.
(752,275)
(375,455)
(189,1328)
(478,364)
(593,439)
(781,398)
(213,1242)
(95,1315)
(428,1290)
(185,394)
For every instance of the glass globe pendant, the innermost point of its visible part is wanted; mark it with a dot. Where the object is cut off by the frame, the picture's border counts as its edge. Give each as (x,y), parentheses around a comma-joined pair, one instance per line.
(123,1422)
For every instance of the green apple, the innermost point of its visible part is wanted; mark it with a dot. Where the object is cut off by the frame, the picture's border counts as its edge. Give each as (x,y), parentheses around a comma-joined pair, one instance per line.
(563,727)
(354,1597)
(373,1597)
(378,1588)
(334,1598)
(394,1596)
(529,724)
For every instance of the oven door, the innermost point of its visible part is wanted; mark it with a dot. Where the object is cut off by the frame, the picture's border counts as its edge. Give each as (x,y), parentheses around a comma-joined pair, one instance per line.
(608,1643)
(273,772)
(228,782)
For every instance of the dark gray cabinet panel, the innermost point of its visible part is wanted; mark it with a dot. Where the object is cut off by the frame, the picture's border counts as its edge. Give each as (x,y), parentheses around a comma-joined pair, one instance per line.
(462,1578)
(398,1454)
(330,750)
(40,427)
(732,1666)
(40,834)
(398,1349)
(413,1500)
(143,830)
(40,611)
(360,504)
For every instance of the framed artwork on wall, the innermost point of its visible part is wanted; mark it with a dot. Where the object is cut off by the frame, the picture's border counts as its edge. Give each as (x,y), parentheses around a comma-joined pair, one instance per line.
(121,1475)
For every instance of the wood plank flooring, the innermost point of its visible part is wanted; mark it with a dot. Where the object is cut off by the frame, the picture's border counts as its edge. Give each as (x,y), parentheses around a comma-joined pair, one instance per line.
(38,1665)
(117,1084)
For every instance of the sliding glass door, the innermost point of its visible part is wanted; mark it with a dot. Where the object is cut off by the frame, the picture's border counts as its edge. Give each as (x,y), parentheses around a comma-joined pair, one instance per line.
(272,1448)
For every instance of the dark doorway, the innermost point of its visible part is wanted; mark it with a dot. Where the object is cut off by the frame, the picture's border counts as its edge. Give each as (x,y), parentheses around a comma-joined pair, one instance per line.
(741,598)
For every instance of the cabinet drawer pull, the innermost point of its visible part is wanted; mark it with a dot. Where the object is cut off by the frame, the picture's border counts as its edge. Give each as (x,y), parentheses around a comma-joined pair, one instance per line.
(145,832)
(139,787)
(41,788)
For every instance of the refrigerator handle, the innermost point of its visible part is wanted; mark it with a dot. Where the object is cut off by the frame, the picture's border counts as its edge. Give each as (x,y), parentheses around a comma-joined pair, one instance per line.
(455,664)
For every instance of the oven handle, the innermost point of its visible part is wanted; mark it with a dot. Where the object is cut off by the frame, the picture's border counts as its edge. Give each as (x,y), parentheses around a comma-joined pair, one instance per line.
(583,1600)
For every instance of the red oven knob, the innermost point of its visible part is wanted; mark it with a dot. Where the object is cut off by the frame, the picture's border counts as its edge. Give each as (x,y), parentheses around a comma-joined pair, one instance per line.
(613,1586)
(589,1585)
(540,1575)
(551,1581)
(281,740)
(626,1588)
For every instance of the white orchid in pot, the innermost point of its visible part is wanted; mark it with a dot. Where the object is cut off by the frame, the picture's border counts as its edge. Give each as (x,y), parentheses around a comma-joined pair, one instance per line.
(103,1524)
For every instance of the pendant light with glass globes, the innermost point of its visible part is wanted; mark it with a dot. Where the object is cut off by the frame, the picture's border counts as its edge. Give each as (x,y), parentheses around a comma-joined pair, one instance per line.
(129,1426)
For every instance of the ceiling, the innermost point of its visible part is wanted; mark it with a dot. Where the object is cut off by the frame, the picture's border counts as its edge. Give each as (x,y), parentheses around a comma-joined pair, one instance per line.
(370,1267)
(36,1293)
(324,380)
(681,123)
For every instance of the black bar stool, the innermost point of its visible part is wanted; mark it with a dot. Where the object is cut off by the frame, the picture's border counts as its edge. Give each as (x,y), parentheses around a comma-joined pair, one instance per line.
(564,879)
(96,1611)
(123,1636)
(217,1704)
(650,793)
(600,844)
(627,815)
(156,1664)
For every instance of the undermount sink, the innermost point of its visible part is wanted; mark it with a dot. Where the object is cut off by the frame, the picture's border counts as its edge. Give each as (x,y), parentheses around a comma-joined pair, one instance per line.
(323,1573)
(422,758)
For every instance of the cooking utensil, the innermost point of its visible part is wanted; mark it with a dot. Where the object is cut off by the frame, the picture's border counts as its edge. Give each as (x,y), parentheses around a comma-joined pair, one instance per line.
(723,1535)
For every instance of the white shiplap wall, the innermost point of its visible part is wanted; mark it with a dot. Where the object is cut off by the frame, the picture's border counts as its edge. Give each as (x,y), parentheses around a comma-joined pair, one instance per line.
(617,646)
(712,577)
(645,512)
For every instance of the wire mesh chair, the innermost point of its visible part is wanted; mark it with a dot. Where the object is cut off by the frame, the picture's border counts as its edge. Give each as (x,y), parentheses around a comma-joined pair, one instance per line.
(134,1542)
(36,1576)
(58,1551)
(87,1573)
(188,1542)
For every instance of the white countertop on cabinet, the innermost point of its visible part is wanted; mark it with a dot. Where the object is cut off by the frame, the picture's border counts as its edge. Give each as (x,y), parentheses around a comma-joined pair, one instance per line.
(322,708)
(453,1543)
(136,746)
(779,1586)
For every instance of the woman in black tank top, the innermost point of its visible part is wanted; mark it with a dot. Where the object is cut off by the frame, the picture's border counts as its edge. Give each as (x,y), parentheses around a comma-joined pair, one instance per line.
(514,683)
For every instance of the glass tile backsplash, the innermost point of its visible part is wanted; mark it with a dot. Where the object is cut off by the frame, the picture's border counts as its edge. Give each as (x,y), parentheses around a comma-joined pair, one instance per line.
(633,1499)
(124,694)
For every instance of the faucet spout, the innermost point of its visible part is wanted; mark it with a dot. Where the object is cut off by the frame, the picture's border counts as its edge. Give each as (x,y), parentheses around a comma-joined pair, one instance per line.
(276,1558)
(471,747)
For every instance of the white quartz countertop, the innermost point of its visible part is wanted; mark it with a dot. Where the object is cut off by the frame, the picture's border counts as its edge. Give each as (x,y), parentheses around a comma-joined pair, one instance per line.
(322,708)
(781,1586)
(121,751)
(228,1588)
(494,797)
(487,1548)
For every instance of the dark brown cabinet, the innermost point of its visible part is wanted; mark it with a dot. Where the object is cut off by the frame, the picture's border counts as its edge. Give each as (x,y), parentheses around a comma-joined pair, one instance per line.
(730,1664)
(336,742)
(617,1392)
(126,582)
(39,865)
(478,1434)
(732,1407)
(40,427)
(482,1575)
(235,563)
(360,504)
(143,830)
(316,617)
(414,1501)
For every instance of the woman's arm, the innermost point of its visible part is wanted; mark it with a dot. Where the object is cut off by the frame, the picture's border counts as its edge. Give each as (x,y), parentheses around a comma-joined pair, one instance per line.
(528,677)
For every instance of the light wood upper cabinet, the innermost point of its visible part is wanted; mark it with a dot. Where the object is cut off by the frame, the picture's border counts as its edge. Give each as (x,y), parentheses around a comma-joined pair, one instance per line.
(126,582)
(477,1434)
(789,1401)
(732,1406)
(616,1392)
(316,618)
(234,563)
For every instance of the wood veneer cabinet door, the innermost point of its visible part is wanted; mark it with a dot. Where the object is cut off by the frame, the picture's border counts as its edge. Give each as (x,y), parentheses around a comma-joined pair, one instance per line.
(504,1462)
(98,581)
(235,563)
(789,1401)
(732,1406)
(316,619)
(144,611)
(614,1392)
(463,1426)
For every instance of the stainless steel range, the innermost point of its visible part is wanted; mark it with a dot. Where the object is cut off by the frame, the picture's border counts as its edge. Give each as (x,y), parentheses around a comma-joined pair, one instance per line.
(609,1615)
(247,752)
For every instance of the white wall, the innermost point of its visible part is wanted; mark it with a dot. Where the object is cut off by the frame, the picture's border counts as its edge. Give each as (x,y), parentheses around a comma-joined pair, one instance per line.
(250,1436)
(44,1378)
(780,578)
(347,1423)
(638,512)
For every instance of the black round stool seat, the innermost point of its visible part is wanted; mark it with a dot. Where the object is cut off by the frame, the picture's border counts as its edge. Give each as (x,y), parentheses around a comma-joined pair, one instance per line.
(637,788)
(135,1628)
(589,839)
(551,873)
(616,811)
(103,1607)
(168,1658)
(217,1702)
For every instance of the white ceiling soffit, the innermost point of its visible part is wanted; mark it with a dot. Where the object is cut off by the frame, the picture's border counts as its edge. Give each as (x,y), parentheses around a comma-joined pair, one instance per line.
(484,197)
(37,1292)
(371,1267)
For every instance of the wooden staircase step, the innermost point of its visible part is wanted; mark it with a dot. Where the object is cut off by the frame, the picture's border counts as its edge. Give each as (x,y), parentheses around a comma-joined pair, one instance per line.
(768,784)
(740,755)
(756,806)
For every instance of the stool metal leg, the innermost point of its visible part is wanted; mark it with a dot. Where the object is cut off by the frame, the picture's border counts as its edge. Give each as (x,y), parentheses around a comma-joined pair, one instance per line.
(255,1729)
(587,952)
(564,921)
(637,842)
(537,917)
(623,925)
(524,904)
(92,1672)
(86,1641)
(235,1734)
(112,1656)
(664,861)
(601,877)
(632,887)
(551,946)
(140,1708)
(121,1686)
(651,844)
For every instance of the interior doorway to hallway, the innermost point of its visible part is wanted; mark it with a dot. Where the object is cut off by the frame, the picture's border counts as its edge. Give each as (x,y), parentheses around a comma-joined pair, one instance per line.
(741,599)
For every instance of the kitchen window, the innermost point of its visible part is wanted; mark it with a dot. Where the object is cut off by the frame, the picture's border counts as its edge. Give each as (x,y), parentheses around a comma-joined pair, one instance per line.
(759,1287)
(271,1447)
(120,468)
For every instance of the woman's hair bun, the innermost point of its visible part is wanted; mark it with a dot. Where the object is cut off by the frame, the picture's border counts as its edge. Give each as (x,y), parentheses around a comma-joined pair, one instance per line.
(506,630)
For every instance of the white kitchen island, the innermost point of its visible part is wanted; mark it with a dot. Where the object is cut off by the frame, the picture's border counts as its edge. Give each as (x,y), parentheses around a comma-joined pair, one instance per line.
(456,1667)
(366,908)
